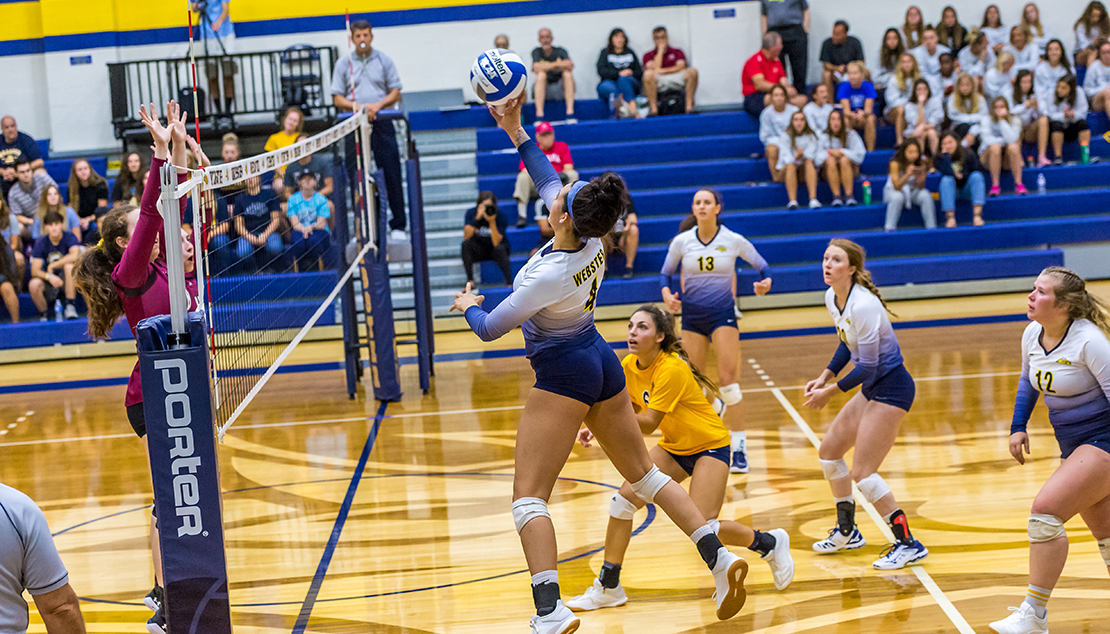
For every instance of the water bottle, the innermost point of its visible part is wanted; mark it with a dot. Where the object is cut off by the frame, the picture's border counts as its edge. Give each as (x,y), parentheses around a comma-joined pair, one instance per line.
(867,192)
(1029,162)
(1084,153)
(1042,185)
(57,310)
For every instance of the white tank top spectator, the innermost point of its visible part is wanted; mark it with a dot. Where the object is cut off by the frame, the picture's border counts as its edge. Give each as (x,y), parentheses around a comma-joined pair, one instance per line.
(898,91)
(798,151)
(1022,101)
(924,116)
(817,111)
(1066,111)
(773,121)
(905,187)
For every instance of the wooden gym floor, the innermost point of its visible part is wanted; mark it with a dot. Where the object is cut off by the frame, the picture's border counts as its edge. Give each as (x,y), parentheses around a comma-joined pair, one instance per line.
(428,543)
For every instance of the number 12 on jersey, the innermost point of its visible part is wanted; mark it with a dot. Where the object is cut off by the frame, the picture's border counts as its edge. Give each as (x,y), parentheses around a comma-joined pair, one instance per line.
(1046,375)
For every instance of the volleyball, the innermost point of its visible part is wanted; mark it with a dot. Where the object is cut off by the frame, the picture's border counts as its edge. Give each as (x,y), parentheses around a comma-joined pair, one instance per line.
(497,76)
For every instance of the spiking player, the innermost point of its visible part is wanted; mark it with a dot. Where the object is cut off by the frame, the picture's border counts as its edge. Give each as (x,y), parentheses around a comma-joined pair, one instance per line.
(869,421)
(707,300)
(1065,355)
(578,378)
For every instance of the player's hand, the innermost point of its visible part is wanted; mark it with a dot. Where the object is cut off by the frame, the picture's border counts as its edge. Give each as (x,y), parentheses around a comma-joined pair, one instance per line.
(762,287)
(508,119)
(815,384)
(466,299)
(175,120)
(585,436)
(158,132)
(674,304)
(818,398)
(1019,446)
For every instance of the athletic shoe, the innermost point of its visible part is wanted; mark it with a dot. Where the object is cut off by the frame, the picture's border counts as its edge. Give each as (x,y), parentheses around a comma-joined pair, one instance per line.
(157,624)
(70,312)
(561,621)
(521,223)
(792,205)
(837,202)
(995,190)
(1020,189)
(814,203)
(1022,621)
(851,202)
(397,235)
(153,599)
(1058,161)
(839,541)
(628,273)
(782,564)
(739,462)
(899,555)
(728,576)
(598,596)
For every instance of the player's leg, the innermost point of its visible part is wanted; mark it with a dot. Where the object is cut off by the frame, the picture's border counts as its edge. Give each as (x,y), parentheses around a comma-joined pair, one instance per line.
(1097,518)
(837,441)
(697,347)
(726,345)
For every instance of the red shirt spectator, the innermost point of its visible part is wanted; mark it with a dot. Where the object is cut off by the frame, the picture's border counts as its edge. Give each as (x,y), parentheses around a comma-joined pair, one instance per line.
(758,64)
(671,57)
(558,152)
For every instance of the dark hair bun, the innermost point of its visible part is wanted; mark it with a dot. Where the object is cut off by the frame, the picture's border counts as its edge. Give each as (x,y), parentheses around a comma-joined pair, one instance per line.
(599,204)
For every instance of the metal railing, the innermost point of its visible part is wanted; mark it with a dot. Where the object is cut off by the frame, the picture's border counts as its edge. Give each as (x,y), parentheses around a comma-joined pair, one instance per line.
(227,85)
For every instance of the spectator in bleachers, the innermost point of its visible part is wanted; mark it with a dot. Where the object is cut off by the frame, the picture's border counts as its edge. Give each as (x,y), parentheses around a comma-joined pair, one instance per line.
(798,151)
(977,57)
(11,261)
(997,80)
(924,116)
(88,194)
(961,177)
(997,34)
(554,72)
(966,109)
(24,196)
(1025,52)
(625,238)
(292,124)
(913,28)
(1096,85)
(221,237)
(309,214)
(773,122)
(905,186)
(790,19)
(1067,116)
(1031,20)
(817,111)
(836,53)
(1093,24)
(319,164)
(1022,101)
(128,188)
(1054,66)
(484,238)
(840,152)
(898,92)
(667,69)
(761,73)
(230,151)
(1000,145)
(621,76)
(558,153)
(257,219)
(928,57)
(51,202)
(55,251)
(216,33)
(29,561)
(890,53)
(950,32)
(14,145)
(502,42)
(857,99)
(948,75)
(375,87)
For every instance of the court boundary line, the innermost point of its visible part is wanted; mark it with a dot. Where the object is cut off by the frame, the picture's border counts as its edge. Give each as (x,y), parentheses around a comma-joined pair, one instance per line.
(931,586)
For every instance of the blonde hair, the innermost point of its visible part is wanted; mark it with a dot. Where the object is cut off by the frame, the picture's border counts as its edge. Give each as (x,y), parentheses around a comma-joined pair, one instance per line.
(45,208)
(967,104)
(862,277)
(1071,289)
(900,77)
(1027,25)
(860,66)
(1000,61)
(1024,29)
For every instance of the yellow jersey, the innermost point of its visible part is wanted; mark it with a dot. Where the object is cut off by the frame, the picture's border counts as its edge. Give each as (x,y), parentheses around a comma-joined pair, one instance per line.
(279,140)
(689,424)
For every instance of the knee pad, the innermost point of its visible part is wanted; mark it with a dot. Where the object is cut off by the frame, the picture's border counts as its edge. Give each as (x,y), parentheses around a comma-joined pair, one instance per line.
(731,395)
(620,508)
(527,509)
(1104,548)
(873,488)
(716,526)
(650,484)
(1045,528)
(719,407)
(834,469)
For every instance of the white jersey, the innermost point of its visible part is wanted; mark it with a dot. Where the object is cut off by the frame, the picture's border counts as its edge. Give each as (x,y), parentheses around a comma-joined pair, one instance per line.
(1074,377)
(773,123)
(818,116)
(864,327)
(708,268)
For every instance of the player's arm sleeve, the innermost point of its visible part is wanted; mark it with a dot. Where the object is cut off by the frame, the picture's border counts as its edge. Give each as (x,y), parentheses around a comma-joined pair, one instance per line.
(840,358)
(750,255)
(1096,356)
(542,173)
(670,265)
(525,301)
(43,570)
(134,266)
(1024,403)
(868,362)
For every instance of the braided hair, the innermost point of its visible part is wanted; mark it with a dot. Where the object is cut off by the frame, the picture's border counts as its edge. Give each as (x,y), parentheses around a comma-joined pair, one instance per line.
(862,277)
(664,325)
(1071,289)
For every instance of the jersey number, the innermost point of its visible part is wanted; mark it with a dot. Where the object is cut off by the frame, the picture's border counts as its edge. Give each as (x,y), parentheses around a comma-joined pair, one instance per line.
(592,299)
(1047,376)
(705,264)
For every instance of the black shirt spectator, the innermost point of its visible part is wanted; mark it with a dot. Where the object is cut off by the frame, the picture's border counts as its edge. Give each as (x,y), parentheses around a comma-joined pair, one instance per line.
(836,53)
(14,145)
(320,165)
(971,164)
(128,188)
(610,64)
(485,241)
(88,191)
(558,53)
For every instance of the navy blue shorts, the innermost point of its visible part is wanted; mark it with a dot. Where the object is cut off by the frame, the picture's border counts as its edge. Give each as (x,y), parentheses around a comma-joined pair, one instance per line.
(894,388)
(1101,440)
(705,320)
(589,372)
(724,454)
(753,104)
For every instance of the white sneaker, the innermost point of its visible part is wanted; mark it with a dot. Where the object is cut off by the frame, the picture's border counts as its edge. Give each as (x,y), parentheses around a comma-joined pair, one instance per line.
(782,564)
(397,235)
(899,555)
(728,576)
(70,312)
(814,203)
(837,541)
(561,621)
(1022,621)
(598,596)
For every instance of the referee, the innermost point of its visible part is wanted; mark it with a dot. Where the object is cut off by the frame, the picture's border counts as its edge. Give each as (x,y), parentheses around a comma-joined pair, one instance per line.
(790,19)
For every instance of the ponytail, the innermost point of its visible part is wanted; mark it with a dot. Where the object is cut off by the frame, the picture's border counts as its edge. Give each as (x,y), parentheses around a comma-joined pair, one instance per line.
(862,277)
(664,324)
(93,273)
(1071,289)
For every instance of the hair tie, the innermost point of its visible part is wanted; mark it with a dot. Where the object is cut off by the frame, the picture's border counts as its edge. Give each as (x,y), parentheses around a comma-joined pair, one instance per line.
(100,244)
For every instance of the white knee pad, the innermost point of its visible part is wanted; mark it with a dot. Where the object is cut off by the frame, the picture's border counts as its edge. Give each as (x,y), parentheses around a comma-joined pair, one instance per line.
(527,509)
(1045,528)
(650,484)
(1104,548)
(835,469)
(715,525)
(620,508)
(873,488)
(731,395)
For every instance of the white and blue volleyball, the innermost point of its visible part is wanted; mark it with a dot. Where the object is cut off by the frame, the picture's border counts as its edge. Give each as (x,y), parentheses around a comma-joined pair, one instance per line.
(497,76)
